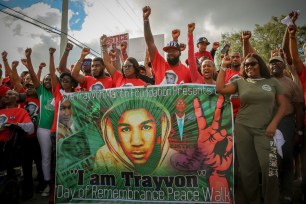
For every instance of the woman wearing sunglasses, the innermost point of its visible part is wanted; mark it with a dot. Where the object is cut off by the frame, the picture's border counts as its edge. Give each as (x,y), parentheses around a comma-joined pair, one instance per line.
(130,75)
(255,125)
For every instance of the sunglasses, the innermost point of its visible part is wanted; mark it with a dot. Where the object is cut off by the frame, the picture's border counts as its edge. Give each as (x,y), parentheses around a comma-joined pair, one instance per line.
(250,64)
(127,66)
(86,63)
(65,80)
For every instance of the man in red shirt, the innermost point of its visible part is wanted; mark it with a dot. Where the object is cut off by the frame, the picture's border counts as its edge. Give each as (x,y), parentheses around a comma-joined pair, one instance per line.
(202,44)
(171,71)
(98,80)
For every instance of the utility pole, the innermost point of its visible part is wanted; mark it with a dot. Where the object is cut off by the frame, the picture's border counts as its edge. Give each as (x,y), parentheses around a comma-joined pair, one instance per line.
(64,27)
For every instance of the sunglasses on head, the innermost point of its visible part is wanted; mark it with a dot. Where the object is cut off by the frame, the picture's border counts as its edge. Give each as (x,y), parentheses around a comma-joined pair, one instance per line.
(250,64)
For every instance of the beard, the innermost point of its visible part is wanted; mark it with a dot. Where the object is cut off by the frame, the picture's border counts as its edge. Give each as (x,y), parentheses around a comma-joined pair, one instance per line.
(173,61)
(100,74)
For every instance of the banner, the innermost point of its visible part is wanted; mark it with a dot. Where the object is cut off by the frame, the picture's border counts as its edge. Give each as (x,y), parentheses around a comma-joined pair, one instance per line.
(154,144)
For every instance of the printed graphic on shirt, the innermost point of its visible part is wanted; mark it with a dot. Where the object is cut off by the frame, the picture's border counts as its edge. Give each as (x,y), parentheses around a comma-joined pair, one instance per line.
(170,77)
(97,87)
(32,109)
(3,119)
(127,85)
(266,87)
(49,105)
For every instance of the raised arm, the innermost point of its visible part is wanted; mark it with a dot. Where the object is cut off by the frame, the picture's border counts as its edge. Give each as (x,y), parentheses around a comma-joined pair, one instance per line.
(63,63)
(148,33)
(146,64)
(196,77)
(16,79)
(8,71)
(296,60)
(221,87)
(77,67)
(247,48)
(52,70)
(40,68)
(176,34)
(29,66)
(285,46)
(107,60)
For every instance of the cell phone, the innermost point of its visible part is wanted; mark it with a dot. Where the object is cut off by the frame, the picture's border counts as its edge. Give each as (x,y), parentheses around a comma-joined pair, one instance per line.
(225,48)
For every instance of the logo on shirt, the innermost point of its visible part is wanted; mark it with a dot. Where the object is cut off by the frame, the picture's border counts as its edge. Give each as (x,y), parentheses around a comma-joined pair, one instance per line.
(3,119)
(266,87)
(97,87)
(170,77)
(31,108)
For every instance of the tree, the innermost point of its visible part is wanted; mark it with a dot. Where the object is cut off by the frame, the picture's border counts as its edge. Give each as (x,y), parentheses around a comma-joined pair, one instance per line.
(266,37)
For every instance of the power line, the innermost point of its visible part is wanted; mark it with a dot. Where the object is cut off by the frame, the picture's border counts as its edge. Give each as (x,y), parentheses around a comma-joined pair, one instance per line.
(128,14)
(46,29)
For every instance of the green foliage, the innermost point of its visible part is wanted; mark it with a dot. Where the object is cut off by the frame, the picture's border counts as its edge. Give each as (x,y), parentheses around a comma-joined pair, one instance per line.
(265,37)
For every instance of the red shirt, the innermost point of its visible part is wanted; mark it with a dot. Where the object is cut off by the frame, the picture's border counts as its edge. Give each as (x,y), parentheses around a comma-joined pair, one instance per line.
(166,74)
(3,90)
(57,98)
(119,80)
(205,54)
(93,84)
(13,116)
(231,75)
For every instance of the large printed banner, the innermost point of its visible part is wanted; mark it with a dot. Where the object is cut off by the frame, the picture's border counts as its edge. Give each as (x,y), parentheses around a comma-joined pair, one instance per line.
(155,144)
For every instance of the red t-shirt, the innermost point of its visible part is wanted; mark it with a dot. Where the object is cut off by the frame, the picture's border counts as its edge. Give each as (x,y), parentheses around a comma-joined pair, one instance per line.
(205,54)
(166,74)
(3,90)
(13,116)
(57,98)
(119,80)
(93,84)
(231,75)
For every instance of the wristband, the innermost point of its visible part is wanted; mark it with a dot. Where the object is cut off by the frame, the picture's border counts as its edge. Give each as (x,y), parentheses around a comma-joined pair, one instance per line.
(223,68)
(79,61)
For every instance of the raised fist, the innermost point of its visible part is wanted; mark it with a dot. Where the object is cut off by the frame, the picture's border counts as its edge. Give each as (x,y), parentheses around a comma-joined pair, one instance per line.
(103,40)
(4,55)
(15,64)
(85,51)
(28,52)
(246,35)
(191,27)
(176,34)
(42,65)
(112,53)
(69,46)
(146,12)
(52,50)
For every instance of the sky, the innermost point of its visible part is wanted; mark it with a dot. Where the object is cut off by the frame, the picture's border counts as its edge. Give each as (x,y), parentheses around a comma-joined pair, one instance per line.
(89,19)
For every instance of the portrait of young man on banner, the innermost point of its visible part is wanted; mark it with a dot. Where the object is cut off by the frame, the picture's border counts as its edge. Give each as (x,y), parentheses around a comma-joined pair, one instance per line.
(136,136)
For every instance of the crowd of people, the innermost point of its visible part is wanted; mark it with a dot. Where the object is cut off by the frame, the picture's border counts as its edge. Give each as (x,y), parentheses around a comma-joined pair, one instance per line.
(268,99)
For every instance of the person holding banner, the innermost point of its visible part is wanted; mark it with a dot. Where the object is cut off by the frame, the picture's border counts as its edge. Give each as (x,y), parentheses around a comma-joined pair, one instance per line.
(130,75)
(160,66)
(255,125)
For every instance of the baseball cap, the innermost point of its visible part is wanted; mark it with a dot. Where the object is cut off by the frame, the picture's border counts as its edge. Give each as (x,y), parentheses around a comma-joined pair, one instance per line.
(172,44)
(278,58)
(203,39)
